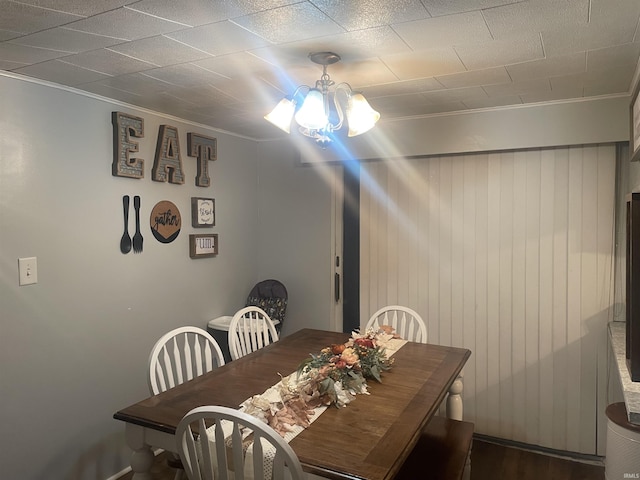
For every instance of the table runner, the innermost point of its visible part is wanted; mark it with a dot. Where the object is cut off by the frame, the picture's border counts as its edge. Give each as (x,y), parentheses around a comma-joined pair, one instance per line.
(273,397)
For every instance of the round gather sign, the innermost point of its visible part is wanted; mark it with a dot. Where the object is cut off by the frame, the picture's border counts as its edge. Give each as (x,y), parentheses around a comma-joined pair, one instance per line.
(165,221)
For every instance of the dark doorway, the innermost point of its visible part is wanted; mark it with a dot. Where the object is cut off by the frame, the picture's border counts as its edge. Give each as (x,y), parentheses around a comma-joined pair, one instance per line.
(351,248)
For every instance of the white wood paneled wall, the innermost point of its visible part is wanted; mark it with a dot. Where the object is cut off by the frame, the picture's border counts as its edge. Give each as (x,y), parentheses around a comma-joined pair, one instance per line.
(508,254)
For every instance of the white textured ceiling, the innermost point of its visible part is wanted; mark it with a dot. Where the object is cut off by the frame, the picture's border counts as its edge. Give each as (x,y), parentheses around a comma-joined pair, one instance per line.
(226,63)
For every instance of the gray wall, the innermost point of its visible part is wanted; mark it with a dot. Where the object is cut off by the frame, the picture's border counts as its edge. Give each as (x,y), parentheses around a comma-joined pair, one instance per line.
(295,233)
(74,346)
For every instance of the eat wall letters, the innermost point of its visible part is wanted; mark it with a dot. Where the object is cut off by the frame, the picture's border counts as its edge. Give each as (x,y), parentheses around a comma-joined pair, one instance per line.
(167,163)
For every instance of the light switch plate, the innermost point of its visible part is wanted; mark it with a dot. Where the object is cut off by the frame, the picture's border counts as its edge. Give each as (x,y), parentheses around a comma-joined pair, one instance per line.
(28,269)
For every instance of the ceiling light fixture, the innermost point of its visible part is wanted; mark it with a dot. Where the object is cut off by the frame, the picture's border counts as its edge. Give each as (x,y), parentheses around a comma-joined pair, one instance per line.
(320,105)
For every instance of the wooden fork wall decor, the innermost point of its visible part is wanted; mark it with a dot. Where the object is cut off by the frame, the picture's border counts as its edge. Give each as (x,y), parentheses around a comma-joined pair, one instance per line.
(126,242)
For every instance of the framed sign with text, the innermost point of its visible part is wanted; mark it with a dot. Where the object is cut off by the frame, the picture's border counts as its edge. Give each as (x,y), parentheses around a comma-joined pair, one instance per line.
(634,113)
(203,245)
(203,212)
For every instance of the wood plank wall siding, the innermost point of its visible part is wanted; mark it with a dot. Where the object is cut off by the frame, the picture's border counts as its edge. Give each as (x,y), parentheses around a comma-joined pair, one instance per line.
(508,254)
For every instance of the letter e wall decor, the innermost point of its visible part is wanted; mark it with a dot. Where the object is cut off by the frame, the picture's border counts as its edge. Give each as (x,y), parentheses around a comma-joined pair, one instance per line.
(124,127)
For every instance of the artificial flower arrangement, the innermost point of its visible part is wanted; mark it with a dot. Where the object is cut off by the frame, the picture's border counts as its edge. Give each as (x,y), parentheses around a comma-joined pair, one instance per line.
(340,371)
(332,377)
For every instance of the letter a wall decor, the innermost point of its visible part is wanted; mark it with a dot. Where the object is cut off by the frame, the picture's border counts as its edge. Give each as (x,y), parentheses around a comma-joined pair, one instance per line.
(168,164)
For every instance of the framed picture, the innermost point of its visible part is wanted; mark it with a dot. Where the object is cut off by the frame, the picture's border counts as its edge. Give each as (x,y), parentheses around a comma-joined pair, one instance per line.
(203,245)
(634,112)
(203,212)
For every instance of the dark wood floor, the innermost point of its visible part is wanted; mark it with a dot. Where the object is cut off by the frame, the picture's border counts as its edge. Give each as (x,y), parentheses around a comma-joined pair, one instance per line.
(496,462)
(489,461)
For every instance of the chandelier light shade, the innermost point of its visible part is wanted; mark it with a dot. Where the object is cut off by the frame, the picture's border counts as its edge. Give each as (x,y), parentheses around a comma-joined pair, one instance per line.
(313,112)
(360,116)
(281,115)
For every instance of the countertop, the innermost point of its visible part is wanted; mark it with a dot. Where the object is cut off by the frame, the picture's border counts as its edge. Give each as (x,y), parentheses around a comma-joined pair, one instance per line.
(630,390)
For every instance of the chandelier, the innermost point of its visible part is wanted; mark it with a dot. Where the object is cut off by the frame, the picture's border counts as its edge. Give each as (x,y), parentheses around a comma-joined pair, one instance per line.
(319,106)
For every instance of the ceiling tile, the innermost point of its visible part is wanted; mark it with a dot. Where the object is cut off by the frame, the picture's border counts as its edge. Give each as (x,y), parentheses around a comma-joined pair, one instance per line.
(160,51)
(585,38)
(290,23)
(108,62)
(403,87)
(444,31)
(448,7)
(251,90)
(201,12)
(394,102)
(28,55)
(455,95)
(371,13)
(287,80)
(184,75)
(623,16)
(613,56)
(400,111)
(192,12)
(477,56)
(518,88)
(66,40)
(361,73)
(203,95)
(606,27)
(125,24)
(114,93)
(8,35)
(238,64)
(137,83)
(506,21)
(429,63)
(351,46)
(62,73)
(219,38)
(549,67)
(84,8)
(487,76)
(571,92)
(598,82)
(28,19)
(9,65)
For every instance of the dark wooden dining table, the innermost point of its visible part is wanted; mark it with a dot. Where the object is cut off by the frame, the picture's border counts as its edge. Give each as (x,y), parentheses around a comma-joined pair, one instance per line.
(368,439)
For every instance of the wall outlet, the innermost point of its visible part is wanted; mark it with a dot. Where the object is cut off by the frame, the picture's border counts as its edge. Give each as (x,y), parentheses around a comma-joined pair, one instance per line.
(28,269)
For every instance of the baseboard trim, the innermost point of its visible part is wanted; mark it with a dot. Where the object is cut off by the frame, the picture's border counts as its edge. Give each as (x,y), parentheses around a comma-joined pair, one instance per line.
(573,456)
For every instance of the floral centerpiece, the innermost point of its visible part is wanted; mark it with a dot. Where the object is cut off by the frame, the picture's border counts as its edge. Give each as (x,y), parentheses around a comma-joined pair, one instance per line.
(332,377)
(340,371)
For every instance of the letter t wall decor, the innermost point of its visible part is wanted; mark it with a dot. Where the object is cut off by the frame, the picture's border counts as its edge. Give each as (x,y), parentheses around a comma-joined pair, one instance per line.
(204,149)
(168,165)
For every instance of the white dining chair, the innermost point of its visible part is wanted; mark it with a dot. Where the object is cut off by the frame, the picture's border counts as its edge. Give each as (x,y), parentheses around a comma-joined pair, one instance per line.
(178,356)
(250,329)
(407,323)
(224,454)
(181,355)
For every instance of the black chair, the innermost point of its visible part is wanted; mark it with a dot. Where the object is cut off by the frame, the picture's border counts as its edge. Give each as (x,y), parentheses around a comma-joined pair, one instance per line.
(271,296)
